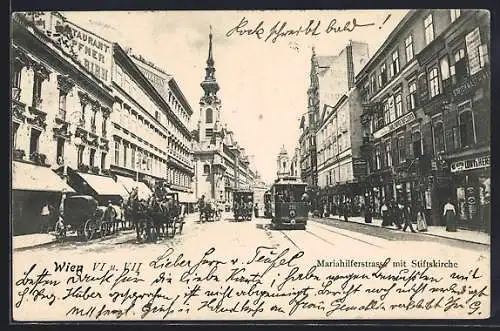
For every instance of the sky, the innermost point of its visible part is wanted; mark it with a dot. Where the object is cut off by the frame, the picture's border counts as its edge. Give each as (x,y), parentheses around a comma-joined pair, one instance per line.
(263,83)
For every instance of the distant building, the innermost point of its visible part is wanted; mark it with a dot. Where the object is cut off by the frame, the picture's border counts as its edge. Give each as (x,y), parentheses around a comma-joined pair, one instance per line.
(283,163)
(330,78)
(221,165)
(340,167)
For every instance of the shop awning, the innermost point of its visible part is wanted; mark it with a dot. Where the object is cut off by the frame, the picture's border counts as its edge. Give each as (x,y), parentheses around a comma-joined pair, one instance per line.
(129,184)
(103,185)
(30,177)
(187,197)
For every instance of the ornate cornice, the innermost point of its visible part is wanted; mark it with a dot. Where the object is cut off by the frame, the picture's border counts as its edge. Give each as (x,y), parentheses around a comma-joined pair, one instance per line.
(64,83)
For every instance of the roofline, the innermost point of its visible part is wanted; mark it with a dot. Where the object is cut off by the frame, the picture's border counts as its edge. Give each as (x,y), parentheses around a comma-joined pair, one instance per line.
(182,98)
(78,26)
(118,51)
(411,13)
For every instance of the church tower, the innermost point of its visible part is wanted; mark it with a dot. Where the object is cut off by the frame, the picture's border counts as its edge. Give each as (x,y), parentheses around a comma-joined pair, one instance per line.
(283,163)
(209,121)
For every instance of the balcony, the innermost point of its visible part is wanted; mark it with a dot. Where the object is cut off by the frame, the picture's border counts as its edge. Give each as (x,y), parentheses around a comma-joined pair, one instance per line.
(36,115)
(61,116)
(18,110)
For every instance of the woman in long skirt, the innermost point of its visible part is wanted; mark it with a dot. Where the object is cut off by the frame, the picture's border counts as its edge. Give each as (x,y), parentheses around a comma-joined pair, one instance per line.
(421,223)
(450,215)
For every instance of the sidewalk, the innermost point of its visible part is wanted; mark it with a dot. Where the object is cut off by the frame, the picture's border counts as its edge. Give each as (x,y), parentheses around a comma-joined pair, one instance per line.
(438,231)
(32,240)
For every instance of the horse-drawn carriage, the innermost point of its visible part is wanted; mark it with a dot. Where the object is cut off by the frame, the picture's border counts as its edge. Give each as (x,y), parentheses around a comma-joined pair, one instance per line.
(83,214)
(242,205)
(158,217)
(210,211)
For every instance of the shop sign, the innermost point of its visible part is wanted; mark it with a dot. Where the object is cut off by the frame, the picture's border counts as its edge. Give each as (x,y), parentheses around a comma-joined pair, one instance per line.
(360,168)
(479,162)
(470,83)
(394,125)
(473,42)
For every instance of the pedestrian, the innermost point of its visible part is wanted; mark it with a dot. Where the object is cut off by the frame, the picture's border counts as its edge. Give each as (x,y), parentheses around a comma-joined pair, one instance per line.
(256,210)
(368,213)
(398,214)
(384,212)
(45,216)
(345,210)
(407,217)
(421,223)
(450,214)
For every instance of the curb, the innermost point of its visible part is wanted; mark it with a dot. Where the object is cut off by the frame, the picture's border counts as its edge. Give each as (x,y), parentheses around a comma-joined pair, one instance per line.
(38,245)
(424,233)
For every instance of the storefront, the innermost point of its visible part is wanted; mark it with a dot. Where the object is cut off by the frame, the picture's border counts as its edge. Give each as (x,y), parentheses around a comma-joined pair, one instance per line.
(32,187)
(472,191)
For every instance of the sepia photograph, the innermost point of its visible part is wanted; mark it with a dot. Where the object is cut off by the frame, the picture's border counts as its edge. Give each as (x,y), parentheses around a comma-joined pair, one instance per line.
(250,165)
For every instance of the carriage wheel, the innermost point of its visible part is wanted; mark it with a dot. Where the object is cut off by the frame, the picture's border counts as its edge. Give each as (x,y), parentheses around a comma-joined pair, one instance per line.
(89,229)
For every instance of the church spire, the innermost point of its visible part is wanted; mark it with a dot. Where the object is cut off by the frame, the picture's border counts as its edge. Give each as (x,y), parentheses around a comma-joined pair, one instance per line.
(210,85)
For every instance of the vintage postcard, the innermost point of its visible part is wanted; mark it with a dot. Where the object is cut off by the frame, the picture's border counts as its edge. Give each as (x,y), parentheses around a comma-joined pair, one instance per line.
(250,165)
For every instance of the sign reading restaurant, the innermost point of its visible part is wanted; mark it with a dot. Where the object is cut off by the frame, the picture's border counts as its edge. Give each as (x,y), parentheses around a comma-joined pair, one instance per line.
(478,162)
(394,125)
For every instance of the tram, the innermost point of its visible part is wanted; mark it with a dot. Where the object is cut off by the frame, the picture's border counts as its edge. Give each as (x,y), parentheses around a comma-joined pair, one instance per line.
(290,204)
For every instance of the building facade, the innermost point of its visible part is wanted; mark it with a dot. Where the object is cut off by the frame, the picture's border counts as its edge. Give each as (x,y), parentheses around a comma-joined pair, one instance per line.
(151,139)
(422,109)
(60,121)
(330,78)
(341,169)
(283,165)
(221,165)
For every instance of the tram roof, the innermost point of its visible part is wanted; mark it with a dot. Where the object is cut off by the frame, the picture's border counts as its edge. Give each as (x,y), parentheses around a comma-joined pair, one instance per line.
(289,181)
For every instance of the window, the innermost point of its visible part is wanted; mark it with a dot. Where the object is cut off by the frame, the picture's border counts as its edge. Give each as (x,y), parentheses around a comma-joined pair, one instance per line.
(103,160)
(86,64)
(429,29)
(445,68)
(409,48)
(382,78)
(209,132)
(209,116)
(79,160)
(104,126)
(401,149)
(434,82)
(373,84)
(454,14)
(467,134)
(417,144)
(377,157)
(157,115)
(132,158)
(206,169)
(92,157)
(388,155)
(60,149)
(62,104)
(16,75)
(483,55)
(387,115)
(117,153)
(395,63)
(15,127)
(34,140)
(125,148)
(460,69)
(37,90)
(399,105)
(438,135)
(411,101)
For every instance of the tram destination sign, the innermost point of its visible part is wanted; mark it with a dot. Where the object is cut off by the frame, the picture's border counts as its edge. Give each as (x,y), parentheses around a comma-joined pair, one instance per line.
(479,162)
(394,125)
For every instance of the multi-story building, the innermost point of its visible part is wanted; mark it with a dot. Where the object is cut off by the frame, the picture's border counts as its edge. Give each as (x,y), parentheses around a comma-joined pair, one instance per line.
(152,141)
(423,104)
(340,166)
(330,78)
(60,120)
(295,163)
(455,97)
(221,165)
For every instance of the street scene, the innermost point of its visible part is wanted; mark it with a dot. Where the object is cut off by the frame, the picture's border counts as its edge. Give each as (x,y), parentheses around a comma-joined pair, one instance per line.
(343,137)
